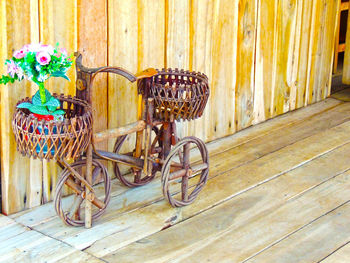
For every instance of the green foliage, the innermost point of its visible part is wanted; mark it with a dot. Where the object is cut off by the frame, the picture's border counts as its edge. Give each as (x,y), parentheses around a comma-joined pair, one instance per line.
(39,110)
(26,63)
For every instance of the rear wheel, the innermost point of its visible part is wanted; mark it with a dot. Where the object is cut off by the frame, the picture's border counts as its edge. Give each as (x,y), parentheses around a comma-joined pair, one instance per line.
(132,177)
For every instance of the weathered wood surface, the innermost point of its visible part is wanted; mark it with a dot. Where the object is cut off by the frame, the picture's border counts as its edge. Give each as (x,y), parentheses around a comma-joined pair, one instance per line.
(129,227)
(35,216)
(346,66)
(278,191)
(263,58)
(340,255)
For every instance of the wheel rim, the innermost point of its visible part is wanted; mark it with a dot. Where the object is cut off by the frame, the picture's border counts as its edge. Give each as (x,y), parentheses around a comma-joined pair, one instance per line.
(74,214)
(185,171)
(124,176)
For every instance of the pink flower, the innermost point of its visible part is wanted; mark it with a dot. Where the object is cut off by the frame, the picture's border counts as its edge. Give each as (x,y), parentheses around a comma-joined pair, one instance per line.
(43,58)
(19,53)
(12,68)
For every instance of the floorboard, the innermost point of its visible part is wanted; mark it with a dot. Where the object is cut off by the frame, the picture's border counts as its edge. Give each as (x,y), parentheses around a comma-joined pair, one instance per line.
(278,192)
(242,217)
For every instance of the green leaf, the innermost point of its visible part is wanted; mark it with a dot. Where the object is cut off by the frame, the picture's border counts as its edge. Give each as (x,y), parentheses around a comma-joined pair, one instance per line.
(39,110)
(61,74)
(24,105)
(37,99)
(52,102)
(58,112)
(52,108)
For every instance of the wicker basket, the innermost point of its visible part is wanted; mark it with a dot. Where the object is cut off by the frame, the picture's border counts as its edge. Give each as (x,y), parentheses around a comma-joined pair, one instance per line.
(54,139)
(177,94)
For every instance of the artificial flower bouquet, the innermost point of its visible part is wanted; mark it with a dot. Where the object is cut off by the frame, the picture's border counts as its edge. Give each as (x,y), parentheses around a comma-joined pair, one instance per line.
(37,63)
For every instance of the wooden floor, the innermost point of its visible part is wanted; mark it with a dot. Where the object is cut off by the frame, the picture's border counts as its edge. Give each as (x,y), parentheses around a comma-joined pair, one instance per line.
(278,192)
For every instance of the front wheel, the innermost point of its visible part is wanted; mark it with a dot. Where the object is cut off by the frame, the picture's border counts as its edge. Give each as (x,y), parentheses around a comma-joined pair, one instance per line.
(184,177)
(72,209)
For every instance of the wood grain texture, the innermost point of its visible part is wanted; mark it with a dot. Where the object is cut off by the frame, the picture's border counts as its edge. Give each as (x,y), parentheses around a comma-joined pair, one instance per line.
(58,24)
(342,254)
(223,78)
(346,67)
(270,198)
(139,223)
(245,64)
(122,47)
(317,239)
(200,58)
(234,216)
(15,169)
(308,116)
(263,58)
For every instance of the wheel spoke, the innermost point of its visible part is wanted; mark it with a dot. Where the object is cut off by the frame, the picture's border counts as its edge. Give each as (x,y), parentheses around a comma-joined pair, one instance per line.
(98,203)
(95,174)
(137,177)
(177,174)
(74,210)
(184,187)
(171,173)
(198,168)
(186,155)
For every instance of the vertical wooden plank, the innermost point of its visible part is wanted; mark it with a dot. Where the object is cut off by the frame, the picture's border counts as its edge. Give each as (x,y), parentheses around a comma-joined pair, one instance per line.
(321,46)
(314,52)
(224,69)
(201,19)
(328,40)
(92,43)
(293,82)
(14,167)
(346,68)
(286,18)
(178,43)
(304,53)
(4,146)
(151,34)
(265,56)
(58,23)
(122,51)
(246,37)
(35,176)
(3,54)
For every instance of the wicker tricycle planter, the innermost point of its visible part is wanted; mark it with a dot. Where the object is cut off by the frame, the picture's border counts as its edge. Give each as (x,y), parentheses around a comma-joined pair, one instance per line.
(141,148)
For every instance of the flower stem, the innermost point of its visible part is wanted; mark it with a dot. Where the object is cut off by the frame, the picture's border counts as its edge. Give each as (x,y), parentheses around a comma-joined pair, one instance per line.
(42,92)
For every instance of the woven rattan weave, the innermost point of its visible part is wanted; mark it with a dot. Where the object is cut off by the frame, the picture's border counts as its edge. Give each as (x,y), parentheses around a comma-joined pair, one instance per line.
(54,139)
(177,94)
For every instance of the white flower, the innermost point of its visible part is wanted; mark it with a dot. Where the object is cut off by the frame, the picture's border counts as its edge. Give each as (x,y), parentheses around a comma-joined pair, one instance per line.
(38,68)
(20,73)
(42,78)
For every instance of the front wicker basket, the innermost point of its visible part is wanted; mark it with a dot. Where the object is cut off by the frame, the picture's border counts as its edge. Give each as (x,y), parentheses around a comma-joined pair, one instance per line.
(177,94)
(54,139)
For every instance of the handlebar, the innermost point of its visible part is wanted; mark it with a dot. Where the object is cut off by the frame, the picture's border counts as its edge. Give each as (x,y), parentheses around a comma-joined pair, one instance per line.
(93,71)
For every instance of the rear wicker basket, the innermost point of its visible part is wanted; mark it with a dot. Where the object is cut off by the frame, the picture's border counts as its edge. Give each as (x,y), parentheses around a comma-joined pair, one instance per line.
(54,139)
(177,94)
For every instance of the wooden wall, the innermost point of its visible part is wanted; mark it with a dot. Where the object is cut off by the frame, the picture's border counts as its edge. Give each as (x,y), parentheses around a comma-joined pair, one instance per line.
(263,58)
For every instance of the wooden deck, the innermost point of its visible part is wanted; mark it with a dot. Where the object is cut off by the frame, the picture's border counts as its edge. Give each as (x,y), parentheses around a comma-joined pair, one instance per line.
(278,192)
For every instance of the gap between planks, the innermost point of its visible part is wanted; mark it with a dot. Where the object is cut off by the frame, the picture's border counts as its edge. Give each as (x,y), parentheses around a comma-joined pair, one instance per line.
(243,210)
(151,219)
(250,135)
